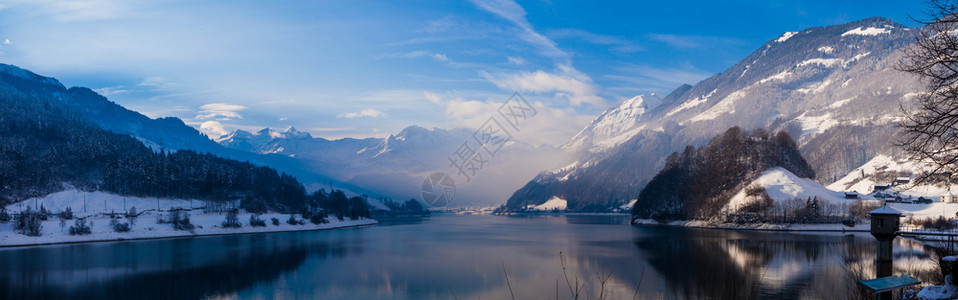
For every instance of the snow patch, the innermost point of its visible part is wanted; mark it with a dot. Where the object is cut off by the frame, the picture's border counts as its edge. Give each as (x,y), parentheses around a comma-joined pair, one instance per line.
(840,103)
(780,76)
(555,203)
(691,103)
(815,88)
(726,106)
(827,62)
(867,31)
(826,49)
(785,36)
(816,124)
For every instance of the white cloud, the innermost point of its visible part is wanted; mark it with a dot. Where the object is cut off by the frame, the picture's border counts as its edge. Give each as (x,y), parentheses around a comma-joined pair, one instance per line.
(220,111)
(373,113)
(517,60)
(551,125)
(213,129)
(421,53)
(514,13)
(6,41)
(156,82)
(282,119)
(615,44)
(83,10)
(659,79)
(568,83)
(111,90)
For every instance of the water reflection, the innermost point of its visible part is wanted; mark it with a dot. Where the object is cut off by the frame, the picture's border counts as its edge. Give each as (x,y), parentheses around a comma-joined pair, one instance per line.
(721,264)
(190,268)
(464,257)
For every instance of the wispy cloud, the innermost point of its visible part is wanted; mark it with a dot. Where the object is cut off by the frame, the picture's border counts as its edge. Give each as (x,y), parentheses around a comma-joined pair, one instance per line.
(220,111)
(645,77)
(421,53)
(692,41)
(516,60)
(567,83)
(112,90)
(82,10)
(616,44)
(157,83)
(369,112)
(514,13)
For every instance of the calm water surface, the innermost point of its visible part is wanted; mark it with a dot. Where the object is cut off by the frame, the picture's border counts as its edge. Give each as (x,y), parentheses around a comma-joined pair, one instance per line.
(462,257)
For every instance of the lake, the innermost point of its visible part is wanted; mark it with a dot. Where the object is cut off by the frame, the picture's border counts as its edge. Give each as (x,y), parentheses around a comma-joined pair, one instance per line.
(463,257)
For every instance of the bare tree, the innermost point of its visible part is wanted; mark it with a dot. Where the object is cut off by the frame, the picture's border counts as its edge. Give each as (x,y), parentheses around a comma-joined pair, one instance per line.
(931,123)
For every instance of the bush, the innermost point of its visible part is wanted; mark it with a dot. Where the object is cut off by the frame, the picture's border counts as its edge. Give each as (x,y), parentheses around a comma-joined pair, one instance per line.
(28,222)
(939,223)
(275,221)
(4,216)
(257,222)
(80,227)
(119,227)
(44,215)
(232,219)
(860,210)
(318,219)
(180,219)
(292,220)
(67,214)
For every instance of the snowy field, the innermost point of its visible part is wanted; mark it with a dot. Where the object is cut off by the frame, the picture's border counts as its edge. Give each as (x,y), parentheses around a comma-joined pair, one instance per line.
(146,226)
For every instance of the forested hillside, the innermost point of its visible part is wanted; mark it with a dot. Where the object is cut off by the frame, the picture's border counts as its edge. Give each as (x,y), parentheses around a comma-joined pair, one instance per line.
(697,183)
(45,147)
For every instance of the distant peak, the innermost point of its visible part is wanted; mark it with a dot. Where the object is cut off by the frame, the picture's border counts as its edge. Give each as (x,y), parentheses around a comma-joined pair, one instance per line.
(290,129)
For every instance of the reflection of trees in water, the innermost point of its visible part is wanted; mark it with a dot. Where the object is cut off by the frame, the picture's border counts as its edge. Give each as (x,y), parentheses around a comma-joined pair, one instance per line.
(718,264)
(190,268)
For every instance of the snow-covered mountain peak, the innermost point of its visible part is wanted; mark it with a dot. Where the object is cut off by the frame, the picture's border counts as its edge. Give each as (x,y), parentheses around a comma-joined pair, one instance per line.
(616,125)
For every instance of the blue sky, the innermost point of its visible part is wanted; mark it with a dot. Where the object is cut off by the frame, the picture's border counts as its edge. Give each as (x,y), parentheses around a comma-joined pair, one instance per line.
(370,68)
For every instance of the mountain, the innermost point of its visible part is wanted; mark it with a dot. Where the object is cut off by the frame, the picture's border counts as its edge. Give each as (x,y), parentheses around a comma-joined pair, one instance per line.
(834,89)
(46,147)
(397,165)
(614,126)
(162,133)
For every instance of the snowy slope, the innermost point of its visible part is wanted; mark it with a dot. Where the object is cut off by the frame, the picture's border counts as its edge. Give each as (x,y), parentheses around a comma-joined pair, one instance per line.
(615,125)
(555,203)
(883,170)
(782,185)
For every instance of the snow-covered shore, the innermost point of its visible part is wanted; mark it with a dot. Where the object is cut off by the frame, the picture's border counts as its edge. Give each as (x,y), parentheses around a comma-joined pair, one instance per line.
(96,207)
(861,227)
(146,227)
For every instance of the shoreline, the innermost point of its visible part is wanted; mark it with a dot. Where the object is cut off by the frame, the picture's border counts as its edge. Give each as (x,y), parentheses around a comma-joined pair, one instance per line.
(207,225)
(178,236)
(771,227)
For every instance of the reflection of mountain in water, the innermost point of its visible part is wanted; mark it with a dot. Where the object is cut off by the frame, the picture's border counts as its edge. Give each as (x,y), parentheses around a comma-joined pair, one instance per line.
(192,268)
(719,264)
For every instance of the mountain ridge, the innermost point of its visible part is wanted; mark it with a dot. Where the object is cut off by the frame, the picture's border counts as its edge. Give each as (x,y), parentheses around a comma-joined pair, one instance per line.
(833,88)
